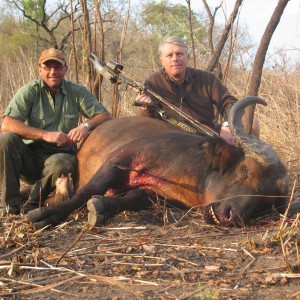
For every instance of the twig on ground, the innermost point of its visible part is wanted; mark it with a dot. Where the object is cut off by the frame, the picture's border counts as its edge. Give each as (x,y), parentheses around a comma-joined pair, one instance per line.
(196,247)
(9,231)
(126,228)
(85,229)
(250,263)
(19,282)
(184,260)
(136,265)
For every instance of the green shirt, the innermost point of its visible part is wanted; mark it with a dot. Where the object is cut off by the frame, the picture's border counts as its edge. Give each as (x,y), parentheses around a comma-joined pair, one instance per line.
(34,105)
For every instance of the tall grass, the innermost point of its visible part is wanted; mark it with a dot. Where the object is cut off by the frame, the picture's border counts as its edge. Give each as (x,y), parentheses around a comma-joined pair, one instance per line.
(280,120)
(15,73)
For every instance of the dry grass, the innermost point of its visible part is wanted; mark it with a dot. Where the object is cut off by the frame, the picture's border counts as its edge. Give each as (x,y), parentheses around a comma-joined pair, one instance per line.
(282,115)
(137,256)
(280,120)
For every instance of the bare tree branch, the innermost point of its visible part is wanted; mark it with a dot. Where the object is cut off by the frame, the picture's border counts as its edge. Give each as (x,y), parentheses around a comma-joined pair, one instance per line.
(73,48)
(43,22)
(191,31)
(256,74)
(211,25)
(86,41)
(220,46)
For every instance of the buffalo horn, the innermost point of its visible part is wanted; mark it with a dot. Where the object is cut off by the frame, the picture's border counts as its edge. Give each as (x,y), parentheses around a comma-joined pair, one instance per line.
(251,146)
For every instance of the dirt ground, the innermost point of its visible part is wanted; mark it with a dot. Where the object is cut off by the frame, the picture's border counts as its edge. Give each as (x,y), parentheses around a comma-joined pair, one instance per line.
(154,254)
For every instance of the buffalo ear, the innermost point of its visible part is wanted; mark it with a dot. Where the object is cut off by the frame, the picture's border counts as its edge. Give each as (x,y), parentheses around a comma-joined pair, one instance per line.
(220,155)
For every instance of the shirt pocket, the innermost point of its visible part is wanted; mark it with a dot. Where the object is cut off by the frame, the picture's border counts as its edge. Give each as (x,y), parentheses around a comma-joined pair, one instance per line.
(70,121)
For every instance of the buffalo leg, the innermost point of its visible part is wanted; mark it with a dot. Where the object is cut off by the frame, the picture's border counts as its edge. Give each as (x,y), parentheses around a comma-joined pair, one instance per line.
(106,177)
(101,208)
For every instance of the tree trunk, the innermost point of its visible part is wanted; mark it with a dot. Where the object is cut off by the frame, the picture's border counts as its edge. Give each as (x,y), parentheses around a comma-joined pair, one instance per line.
(256,74)
(73,44)
(99,36)
(116,94)
(191,31)
(86,42)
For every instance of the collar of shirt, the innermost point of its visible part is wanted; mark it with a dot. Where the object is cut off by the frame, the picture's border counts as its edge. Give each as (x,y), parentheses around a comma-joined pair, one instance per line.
(63,88)
(171,80)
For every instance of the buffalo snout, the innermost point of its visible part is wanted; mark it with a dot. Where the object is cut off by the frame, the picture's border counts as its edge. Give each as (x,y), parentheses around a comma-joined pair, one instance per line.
(238,211)
(223,215)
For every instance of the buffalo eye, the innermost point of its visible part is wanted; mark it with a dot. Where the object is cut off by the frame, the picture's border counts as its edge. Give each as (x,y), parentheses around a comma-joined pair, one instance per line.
(245,170)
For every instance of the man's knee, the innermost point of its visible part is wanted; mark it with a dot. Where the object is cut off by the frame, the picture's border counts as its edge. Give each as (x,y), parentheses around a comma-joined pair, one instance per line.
(9,140)
(61,164)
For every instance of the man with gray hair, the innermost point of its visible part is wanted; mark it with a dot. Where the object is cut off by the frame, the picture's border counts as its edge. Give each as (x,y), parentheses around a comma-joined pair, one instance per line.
(194,92)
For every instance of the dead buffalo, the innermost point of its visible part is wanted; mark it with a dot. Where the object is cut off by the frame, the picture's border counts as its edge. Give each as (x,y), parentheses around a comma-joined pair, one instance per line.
(130,159)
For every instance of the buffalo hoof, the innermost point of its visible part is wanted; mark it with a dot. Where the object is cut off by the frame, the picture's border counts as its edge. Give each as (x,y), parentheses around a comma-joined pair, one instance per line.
(42,217)
(100,209)
(95,207)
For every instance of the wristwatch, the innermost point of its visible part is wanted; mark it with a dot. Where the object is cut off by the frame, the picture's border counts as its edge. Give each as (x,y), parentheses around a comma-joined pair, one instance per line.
(86,125)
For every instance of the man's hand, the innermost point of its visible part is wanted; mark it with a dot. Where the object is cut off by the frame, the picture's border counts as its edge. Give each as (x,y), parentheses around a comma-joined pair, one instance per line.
(10,124)
(226,135)
(57,137)
(78,134)
(143,98)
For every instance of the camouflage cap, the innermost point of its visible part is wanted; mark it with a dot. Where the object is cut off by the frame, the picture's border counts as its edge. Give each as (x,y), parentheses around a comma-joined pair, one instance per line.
(52,54)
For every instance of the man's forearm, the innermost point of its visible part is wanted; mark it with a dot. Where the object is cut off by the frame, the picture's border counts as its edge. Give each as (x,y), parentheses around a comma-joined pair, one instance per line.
(10,124)
(98,119)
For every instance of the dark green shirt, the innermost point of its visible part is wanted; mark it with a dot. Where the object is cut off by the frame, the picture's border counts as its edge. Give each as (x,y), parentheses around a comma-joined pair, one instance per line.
(34,105)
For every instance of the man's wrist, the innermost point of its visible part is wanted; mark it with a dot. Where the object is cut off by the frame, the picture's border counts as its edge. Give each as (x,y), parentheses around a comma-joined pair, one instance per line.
(86,125)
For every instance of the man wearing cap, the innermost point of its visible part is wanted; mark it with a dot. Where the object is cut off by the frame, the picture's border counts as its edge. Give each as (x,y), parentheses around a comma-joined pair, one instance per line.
(40,132)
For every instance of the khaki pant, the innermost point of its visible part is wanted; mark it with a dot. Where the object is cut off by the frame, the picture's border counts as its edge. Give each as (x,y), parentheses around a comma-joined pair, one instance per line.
(33,164)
